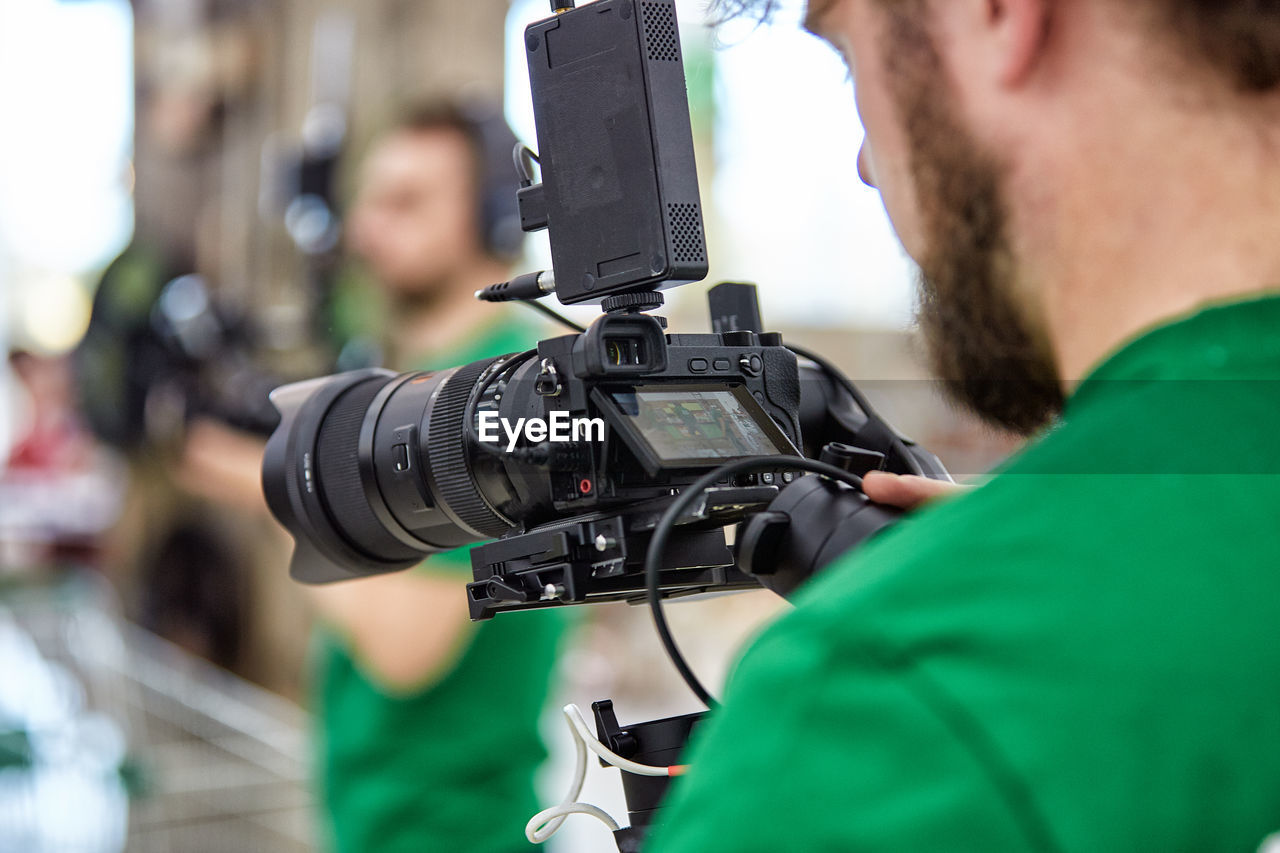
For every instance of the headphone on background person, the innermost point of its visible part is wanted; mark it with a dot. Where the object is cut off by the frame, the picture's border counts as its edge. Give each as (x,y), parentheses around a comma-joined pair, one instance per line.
(498,182)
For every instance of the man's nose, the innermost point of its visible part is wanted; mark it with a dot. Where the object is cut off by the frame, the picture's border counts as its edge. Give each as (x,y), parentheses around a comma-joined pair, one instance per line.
(864,167)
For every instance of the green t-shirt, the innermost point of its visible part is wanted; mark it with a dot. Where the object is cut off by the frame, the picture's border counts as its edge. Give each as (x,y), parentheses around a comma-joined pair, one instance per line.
(1081,655)
(449,768)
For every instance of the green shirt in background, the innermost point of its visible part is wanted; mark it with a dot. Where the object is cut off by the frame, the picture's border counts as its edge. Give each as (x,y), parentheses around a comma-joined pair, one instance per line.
(1082,655)
(450,768)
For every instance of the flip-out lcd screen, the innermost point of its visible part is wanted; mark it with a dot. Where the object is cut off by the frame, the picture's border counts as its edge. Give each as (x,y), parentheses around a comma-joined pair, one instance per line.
(685,427)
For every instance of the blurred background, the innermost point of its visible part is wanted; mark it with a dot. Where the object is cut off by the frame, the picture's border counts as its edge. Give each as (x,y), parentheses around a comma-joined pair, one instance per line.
(174,182)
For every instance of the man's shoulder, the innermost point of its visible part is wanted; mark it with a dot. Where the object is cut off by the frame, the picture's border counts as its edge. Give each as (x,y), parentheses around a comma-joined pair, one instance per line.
(1037,540)
(952,549)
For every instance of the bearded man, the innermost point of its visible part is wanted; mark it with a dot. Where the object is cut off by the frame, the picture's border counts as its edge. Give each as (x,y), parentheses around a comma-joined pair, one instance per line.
(1081,654)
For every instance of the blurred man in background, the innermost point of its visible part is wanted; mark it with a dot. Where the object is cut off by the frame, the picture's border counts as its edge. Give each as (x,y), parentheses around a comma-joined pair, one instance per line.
(1079,655)
(427,724)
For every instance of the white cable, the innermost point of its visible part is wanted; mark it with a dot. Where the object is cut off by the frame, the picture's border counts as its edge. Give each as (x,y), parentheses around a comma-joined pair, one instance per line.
(534,830)
(583,731)
(547,822)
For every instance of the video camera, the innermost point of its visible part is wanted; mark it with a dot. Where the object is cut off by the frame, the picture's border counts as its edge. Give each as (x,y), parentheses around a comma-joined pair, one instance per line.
(609,464)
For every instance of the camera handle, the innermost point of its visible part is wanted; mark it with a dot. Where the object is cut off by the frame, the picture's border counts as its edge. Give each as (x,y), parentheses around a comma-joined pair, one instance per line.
(659,743)
(810,524)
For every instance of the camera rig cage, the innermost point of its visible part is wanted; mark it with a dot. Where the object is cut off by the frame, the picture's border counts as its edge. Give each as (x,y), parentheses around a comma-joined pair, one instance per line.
(372,471)
(620,199)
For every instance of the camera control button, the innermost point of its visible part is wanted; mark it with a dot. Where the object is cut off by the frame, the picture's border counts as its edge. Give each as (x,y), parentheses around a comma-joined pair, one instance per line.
(752,365)
(400,455)
(697,365)
(721,365)
(767,478)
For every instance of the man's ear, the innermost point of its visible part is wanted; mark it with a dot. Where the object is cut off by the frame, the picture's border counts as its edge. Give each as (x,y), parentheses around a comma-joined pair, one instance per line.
(1020,31)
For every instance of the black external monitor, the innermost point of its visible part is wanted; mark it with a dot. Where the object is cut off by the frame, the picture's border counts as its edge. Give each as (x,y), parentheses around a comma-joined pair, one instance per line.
(616,148)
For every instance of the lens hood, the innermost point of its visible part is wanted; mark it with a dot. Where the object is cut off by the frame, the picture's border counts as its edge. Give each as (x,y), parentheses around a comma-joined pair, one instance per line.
(306,488)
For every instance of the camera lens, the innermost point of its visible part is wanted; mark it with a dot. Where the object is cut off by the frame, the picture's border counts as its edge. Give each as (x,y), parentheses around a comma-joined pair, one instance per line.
(371,471)
(338,476)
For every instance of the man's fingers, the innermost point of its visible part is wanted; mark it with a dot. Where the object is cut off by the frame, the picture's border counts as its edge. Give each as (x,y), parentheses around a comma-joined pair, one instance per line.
(905,491)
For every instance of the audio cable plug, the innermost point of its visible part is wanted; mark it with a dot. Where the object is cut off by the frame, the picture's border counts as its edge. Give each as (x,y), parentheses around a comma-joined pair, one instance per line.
(531,285)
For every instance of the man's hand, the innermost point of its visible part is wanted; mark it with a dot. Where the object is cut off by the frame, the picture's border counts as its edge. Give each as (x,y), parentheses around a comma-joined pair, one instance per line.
(906,491)
(222,464)
(405,629)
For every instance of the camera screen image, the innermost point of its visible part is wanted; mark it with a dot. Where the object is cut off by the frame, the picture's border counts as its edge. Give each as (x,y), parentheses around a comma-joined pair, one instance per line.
(685,427)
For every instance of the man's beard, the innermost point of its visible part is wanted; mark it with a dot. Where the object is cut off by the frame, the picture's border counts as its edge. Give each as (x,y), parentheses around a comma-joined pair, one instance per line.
(991,358)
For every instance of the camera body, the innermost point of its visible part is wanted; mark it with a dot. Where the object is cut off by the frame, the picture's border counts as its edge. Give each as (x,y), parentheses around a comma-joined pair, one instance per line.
(372,471)
(378,470)
(673,407)
(368,461)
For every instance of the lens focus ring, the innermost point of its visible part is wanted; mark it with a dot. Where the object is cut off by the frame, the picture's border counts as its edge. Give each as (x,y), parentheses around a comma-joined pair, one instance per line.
(449,459)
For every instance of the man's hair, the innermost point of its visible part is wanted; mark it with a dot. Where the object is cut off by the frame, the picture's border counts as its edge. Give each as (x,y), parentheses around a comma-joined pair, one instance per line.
(727,10)
(443,115)
(1240,39)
